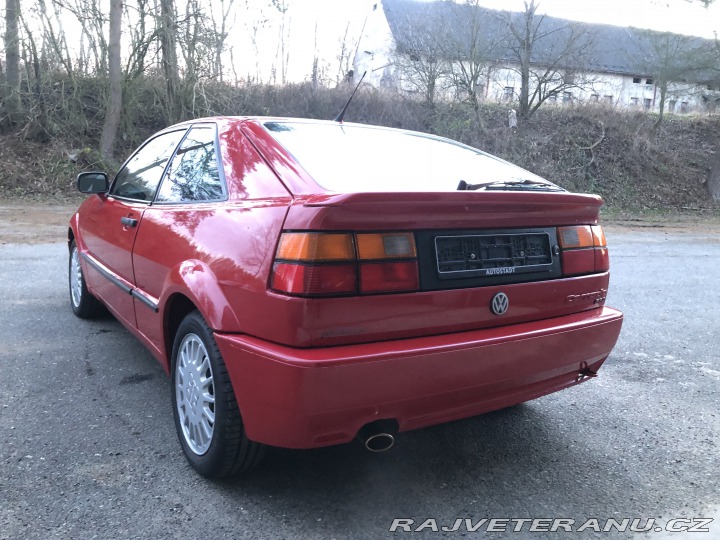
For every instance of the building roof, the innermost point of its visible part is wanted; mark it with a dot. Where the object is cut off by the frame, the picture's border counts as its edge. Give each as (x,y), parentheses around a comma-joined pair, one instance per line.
(608,49)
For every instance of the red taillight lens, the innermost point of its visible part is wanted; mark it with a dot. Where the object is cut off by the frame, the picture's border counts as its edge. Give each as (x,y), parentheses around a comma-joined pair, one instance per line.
(578,261)
(584,250)
(314,280)
(602,260)
(389,276)
(335,263)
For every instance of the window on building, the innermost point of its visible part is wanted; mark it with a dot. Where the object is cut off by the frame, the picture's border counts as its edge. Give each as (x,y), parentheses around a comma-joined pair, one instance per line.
(567,97)
(634,101)
(508,93)
(671,106)
(552,98)
(608,99)
(684,107)
(636,80)
(648,81)
(595,98)
(647,103)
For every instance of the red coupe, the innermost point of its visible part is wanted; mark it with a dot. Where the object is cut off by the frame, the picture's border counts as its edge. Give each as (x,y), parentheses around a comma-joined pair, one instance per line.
(305,283)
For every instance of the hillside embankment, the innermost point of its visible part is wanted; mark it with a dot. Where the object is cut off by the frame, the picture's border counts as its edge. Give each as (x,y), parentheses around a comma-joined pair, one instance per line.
(634,166)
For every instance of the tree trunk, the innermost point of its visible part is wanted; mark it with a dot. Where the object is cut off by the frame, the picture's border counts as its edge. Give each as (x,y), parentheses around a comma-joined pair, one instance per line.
(526,46)
(663,94)
(12,62)
(38,113)
(169,59)
(114,106)
(713,181)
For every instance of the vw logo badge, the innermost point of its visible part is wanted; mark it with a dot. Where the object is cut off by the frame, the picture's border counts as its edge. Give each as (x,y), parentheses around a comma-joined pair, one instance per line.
(500,303)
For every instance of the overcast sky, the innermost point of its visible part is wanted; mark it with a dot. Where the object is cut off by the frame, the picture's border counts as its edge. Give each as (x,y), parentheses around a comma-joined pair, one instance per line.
(332,17)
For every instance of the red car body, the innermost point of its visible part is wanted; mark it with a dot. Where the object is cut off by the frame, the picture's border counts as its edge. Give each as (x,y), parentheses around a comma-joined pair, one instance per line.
(310,371)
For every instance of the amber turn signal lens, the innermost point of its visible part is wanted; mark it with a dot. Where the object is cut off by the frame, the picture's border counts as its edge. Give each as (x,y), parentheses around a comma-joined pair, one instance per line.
(575,237)
(598,236)
(374,246)
(308,246)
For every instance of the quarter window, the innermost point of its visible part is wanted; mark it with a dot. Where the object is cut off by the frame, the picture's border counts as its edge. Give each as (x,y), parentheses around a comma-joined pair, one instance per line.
(140,177)
(193,174)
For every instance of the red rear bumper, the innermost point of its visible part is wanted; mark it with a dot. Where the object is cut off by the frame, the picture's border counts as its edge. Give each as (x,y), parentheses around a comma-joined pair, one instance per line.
(305,398)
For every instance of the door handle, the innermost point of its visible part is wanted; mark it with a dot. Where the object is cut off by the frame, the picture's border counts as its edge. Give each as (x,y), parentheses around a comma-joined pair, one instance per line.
(129,222)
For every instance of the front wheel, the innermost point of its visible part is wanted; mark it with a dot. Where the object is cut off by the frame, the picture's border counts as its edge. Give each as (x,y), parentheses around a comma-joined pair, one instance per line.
(83,304)
(207,417)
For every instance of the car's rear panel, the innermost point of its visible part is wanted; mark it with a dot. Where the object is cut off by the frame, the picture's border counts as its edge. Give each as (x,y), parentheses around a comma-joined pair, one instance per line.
(455,293)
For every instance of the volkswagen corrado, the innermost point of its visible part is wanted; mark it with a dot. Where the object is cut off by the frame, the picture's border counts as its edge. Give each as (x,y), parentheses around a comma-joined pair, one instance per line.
(305,283)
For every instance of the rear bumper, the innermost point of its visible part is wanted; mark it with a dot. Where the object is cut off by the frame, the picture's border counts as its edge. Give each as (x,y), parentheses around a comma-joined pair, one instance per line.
(305,398)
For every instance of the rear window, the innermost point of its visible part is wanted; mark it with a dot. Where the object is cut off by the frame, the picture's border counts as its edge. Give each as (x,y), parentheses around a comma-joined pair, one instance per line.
(352,158)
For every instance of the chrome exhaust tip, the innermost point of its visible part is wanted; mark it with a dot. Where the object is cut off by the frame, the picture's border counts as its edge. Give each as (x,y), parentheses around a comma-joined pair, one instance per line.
(375,437)
(380,442)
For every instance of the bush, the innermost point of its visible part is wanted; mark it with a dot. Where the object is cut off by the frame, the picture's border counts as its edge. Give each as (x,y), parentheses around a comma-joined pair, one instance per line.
(618,155)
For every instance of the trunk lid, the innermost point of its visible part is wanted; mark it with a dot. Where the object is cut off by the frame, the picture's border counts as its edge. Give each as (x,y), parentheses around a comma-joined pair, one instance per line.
(471,247)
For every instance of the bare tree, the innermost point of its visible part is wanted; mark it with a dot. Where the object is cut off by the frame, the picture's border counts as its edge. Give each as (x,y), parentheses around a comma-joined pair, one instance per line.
(114,106)
(54,36)
(168,40)
(141,37)
(283,51)
(37,126)
(344,57)
(221,29)
(550,58)
(670,59)
(476,44)
(427,46)
(13,102)
(420,67)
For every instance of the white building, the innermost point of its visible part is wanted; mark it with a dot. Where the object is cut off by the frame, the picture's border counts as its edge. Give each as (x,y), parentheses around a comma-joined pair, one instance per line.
(611,65)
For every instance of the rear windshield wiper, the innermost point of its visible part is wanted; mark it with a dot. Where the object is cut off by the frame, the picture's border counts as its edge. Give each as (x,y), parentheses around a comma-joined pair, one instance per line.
(512,185)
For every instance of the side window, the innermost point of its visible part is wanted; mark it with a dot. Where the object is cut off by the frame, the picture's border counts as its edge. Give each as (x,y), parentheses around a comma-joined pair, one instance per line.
(141,175)
(193,174)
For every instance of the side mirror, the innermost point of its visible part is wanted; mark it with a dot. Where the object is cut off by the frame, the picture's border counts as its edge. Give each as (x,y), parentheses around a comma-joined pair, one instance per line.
(93,182)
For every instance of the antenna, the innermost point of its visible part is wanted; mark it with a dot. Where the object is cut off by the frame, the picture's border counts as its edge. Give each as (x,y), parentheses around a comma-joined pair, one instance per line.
(339,117)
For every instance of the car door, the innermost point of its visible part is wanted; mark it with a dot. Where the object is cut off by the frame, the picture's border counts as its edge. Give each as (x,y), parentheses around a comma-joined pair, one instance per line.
(193,182)
(111,224)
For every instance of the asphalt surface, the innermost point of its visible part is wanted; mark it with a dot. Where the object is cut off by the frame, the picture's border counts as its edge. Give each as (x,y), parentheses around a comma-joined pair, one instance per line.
(88,447)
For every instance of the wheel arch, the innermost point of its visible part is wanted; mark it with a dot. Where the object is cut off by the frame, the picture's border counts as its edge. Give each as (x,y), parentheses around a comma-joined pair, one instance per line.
(190,286)
(177,307)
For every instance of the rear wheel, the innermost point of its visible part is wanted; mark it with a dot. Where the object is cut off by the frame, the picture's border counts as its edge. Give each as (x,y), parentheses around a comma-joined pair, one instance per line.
(206,412)
(83,304)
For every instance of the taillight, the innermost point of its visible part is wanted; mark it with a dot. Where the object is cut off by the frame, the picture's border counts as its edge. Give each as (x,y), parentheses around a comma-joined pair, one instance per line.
(334,263)
(583,250)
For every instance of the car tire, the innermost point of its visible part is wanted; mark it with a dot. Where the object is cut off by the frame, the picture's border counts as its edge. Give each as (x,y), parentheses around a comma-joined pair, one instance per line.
(83,304)
(207,417)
